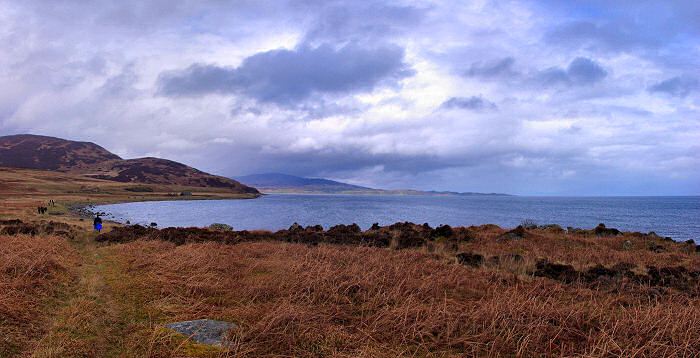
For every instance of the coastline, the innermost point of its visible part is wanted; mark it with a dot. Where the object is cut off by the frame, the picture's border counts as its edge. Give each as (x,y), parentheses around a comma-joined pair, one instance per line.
(80,209)
(279,211)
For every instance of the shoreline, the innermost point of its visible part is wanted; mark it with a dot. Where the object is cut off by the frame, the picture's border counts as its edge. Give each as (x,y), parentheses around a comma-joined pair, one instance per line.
(279,211)
(78,209)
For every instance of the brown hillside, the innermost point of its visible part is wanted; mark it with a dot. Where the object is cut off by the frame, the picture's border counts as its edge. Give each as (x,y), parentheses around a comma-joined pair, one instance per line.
(161,171)
(49,153)
(89,159)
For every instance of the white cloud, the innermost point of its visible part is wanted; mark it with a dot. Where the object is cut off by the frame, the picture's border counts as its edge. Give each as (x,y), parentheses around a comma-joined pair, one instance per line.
(620,101)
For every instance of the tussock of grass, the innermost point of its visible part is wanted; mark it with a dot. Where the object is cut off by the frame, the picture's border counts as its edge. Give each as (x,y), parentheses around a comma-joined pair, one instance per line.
(34,274)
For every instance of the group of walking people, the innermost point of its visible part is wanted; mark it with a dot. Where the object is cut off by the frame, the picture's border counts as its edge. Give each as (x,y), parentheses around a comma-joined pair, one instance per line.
(43,209)
(97,222)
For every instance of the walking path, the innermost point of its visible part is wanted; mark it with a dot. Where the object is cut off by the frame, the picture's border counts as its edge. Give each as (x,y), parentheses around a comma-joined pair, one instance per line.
(90,323)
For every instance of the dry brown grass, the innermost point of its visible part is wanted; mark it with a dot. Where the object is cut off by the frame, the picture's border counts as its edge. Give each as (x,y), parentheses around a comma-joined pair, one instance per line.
(295,300)
(583,251)
(22,190)
(34,273)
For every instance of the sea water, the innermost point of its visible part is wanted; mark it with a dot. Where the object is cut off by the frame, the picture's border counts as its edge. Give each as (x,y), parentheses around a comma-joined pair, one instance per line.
(677,217)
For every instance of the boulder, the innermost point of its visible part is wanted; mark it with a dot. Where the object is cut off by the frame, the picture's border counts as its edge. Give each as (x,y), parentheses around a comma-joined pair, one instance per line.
(221,227)
(553,228)
(204,331)
(515,234)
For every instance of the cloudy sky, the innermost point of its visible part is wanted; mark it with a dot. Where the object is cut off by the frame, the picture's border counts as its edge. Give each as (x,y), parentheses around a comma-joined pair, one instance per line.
(541,97)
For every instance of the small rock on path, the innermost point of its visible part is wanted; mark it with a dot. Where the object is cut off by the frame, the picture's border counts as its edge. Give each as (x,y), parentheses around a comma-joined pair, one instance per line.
(203,331)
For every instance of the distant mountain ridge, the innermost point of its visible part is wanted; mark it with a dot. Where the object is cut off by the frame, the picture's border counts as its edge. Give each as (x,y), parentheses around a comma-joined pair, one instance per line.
(284,183)
(91,160)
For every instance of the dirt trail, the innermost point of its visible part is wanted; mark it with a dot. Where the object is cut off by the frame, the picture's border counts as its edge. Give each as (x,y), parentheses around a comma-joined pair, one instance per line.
(88,325)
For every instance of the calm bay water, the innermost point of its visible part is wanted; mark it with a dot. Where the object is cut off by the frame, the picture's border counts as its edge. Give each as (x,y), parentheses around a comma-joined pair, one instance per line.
(677,217)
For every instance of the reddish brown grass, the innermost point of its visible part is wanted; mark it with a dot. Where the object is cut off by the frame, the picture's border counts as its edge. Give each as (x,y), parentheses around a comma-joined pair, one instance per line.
(584,251)
(34,272)
(295,300)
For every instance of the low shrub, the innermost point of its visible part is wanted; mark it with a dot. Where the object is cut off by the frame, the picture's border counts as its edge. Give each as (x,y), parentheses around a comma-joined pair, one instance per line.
(221,227)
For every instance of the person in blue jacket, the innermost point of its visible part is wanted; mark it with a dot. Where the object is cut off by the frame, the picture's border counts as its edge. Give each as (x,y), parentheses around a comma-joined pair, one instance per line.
(97,223)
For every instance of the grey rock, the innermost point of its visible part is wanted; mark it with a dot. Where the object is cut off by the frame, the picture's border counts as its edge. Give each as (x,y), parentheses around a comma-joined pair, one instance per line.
(203,331)
(627,245)
(515,234)
(221,227)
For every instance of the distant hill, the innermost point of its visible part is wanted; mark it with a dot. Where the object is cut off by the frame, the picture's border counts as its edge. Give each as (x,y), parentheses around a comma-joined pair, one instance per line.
(91,160)
(272,182)
(284,183)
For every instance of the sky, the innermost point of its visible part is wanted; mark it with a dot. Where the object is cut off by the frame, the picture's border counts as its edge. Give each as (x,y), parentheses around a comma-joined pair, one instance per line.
(541,97)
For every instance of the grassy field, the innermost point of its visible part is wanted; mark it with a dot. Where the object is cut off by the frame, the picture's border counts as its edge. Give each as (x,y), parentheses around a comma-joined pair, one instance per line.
(22,190)
(62,294)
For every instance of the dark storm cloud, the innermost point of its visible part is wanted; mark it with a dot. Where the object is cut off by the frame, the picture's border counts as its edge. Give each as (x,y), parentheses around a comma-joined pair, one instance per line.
(677,86)
(476,103)
(581,71)
(491,69)
(284,76)
(348,158)
(353,159)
